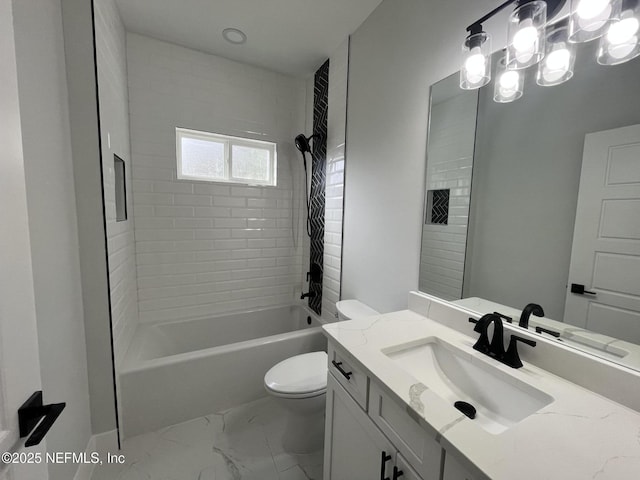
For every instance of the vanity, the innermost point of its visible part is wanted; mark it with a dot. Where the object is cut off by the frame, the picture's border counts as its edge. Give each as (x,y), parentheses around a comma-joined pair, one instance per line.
(394,379)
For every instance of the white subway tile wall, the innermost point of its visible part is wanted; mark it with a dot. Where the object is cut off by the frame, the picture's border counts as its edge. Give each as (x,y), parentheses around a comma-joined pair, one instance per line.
(206,248)
(449,165)
(114,119)
(334,190)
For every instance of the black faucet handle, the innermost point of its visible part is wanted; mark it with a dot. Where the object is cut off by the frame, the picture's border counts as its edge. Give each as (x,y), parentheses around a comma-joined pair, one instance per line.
(511,357)
(504,317)
(482,345)
(547,331)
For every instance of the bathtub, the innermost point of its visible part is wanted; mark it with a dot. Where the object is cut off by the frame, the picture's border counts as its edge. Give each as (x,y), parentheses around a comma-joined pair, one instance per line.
(176,371)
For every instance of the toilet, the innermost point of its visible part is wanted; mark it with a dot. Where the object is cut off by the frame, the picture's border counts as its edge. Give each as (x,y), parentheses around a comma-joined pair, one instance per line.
(299,383)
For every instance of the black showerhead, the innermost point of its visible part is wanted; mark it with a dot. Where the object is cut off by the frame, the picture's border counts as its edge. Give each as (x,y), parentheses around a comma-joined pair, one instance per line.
(302,143)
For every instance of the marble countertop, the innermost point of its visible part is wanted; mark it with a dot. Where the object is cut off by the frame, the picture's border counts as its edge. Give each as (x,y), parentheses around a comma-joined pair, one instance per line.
(579,435)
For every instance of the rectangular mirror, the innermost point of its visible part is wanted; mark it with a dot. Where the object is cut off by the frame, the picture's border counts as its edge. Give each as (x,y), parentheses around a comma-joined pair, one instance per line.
(554,201)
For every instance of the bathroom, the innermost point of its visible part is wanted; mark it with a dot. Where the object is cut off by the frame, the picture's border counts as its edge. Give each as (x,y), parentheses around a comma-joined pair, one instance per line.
(154,304)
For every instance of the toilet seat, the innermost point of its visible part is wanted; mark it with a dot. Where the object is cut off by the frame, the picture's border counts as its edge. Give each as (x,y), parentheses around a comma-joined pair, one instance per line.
(300,376)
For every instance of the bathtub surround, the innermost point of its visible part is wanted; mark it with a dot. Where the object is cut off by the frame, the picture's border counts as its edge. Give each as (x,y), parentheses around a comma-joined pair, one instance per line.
(207,248)
(318,180)
(242,442)
(176,371)
(334,190)
(114,122)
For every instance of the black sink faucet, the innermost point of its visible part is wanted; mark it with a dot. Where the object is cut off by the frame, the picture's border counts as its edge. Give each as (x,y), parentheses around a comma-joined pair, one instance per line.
(495,347)
(531,308)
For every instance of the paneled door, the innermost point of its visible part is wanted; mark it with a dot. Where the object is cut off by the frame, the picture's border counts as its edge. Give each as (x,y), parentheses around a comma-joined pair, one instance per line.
(605,260)
(19,362)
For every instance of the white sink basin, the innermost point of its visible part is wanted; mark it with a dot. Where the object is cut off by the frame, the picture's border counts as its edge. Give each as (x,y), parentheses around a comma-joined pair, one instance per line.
(500,399)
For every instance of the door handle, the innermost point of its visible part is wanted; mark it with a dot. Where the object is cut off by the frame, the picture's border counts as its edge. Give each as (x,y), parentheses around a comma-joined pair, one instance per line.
(578,289)
(30,414)
(383,465)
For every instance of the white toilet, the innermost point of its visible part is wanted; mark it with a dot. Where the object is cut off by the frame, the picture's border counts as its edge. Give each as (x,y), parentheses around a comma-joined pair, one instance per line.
(300,384)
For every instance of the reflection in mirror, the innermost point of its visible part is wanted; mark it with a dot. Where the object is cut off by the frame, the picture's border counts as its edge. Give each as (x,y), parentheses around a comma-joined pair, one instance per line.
(559,160)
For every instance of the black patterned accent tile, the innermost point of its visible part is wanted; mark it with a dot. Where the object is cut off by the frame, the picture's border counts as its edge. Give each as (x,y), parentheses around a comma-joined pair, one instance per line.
(318,179)
(439,212)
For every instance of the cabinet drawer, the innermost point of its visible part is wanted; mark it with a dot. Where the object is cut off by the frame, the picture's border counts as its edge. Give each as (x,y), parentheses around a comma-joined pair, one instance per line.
(420,450)
(351,377)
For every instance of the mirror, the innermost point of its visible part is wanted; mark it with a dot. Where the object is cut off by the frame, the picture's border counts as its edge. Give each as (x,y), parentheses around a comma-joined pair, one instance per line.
(506,238)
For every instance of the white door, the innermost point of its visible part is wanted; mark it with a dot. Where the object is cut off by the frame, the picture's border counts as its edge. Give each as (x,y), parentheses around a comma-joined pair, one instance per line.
(19,362)
(605,257)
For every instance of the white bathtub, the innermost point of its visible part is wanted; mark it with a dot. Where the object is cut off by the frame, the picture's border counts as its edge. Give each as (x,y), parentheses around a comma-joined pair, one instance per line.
(177,371)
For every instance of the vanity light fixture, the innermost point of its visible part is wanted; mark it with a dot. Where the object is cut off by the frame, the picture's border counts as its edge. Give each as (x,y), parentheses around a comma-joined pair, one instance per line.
(532,40)
(526,36)
(476,65)
(509,83)
(559,58)
(589,18)
(620,43)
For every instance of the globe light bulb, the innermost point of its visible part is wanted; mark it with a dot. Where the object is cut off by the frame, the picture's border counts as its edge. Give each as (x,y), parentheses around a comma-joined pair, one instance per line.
(526,37)
(589,9)
(558,60)
(509,80)
(476,66)
(623,31)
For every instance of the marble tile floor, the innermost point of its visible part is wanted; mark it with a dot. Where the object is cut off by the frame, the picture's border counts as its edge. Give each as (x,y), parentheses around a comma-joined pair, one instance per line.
(240,443)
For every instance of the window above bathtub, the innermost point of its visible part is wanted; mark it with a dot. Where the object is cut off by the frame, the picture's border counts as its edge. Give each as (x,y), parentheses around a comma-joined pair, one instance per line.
(212,157)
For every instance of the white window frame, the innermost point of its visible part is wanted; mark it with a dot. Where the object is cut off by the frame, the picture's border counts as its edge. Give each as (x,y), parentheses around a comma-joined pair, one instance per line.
(229,142)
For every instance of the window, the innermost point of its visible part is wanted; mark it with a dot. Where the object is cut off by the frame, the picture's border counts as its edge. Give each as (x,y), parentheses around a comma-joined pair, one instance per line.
(222,158)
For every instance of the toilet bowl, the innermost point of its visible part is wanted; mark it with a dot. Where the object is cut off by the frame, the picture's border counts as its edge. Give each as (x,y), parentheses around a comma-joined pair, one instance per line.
(299,384)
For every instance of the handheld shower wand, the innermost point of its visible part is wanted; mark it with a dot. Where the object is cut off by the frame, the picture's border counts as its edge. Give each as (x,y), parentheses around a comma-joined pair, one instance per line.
(302,144)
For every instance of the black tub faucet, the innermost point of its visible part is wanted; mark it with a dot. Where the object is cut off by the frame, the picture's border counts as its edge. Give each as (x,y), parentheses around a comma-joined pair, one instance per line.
(531,308)
(307,295)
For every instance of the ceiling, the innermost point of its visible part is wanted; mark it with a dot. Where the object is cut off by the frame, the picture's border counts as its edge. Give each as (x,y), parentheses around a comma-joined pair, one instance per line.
(293,37)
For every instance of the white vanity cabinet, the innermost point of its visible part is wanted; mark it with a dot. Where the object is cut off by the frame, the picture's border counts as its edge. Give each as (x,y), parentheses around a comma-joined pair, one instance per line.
(355,449)
(453,470)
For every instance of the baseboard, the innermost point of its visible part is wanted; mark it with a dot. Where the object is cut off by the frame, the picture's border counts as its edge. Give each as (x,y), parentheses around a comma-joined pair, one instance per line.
(101,443)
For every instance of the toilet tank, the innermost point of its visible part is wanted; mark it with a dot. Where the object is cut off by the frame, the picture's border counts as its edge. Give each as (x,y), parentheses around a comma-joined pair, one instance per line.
(350,309)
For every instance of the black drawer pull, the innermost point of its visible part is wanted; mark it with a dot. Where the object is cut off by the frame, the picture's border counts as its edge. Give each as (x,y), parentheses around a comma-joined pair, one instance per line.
(383,464)
(397,473)
(346,375)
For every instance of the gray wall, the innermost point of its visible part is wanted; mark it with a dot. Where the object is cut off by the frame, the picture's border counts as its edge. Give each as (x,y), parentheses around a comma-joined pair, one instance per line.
(396,54)
(526,177)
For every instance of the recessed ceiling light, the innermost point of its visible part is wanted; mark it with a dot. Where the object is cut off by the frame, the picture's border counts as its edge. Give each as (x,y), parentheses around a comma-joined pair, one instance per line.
(235,36)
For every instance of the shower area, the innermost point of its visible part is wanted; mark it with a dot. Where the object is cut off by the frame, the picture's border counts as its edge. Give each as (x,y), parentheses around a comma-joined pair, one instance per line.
(211,282)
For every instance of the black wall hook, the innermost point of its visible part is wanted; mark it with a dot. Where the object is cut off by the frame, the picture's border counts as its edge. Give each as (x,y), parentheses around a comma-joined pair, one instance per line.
(30,415)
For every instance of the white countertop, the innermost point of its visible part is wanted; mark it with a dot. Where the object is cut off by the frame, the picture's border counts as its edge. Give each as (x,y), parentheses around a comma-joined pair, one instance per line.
(580,435)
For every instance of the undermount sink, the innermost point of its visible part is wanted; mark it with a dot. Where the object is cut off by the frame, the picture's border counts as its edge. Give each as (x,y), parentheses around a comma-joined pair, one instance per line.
(500,399)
